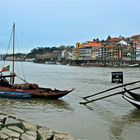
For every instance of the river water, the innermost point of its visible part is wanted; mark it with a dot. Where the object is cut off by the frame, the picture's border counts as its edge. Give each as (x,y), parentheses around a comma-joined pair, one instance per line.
(112,118)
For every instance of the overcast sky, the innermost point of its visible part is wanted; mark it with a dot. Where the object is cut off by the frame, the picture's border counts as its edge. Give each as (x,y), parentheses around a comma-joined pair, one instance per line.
(65,22)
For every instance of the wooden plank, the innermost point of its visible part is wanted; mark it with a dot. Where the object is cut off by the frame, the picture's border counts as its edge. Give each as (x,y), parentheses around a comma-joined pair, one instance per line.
(123,85)
(121,92)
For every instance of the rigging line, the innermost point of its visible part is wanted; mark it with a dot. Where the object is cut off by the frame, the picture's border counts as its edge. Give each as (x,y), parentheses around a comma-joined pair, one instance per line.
(8,48)
(19,52)
(25,36)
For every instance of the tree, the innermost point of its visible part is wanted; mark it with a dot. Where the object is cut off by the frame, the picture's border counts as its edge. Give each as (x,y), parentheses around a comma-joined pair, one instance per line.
(108,38)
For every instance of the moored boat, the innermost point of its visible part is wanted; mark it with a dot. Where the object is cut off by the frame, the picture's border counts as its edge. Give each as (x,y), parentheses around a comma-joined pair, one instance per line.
(8,88)
(30,90)
(134,65)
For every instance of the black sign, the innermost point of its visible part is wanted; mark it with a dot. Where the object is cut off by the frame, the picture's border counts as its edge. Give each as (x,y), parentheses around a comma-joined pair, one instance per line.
(117,77)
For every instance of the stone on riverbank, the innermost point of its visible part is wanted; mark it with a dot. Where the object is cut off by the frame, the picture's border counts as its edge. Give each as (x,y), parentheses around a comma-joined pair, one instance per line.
(62,136)
(12,128)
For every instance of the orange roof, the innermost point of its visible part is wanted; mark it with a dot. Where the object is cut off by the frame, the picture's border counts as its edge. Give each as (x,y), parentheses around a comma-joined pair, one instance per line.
(110,47)
(135,41)
(92,44)
(115,39)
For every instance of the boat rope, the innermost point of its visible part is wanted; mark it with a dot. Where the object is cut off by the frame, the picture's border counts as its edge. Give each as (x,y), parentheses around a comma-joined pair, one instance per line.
(27,82)
(7,48)
(21,64)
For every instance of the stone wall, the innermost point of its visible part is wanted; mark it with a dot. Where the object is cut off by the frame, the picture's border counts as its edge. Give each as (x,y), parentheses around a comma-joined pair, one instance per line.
(12,128)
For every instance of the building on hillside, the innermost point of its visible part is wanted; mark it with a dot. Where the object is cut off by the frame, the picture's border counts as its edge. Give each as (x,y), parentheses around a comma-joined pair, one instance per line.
(124,50)
(96,50)
(135,53)
(75,54)
(117,49)
(69,55)
(16,58)
(112,49)
(85,53)
(135,37)
(89,50)
(113,41)
(29,59)
(66,54)
(48,56)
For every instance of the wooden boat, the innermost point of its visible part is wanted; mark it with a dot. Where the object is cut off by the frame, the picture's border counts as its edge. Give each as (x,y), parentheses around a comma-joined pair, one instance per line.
(133,101)
(134,65)
(39,92)
(8,92)
(132,94)
(33,90)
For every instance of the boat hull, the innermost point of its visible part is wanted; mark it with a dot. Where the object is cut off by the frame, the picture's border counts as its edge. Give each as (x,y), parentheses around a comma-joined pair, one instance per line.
(132,94)
(44,93)
(134,102)
(15,95)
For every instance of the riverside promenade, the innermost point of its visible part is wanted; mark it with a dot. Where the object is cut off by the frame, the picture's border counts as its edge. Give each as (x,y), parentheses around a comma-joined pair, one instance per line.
(12,128)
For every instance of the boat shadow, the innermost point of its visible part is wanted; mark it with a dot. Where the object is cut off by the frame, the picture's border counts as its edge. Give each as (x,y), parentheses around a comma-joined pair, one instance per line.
(121,125)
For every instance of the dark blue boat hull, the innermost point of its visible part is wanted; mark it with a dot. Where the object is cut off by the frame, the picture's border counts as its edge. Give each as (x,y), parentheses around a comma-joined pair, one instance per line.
(15,95)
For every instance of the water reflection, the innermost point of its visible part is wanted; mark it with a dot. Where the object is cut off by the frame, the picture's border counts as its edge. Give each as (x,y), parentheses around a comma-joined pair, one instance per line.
(12,104)
(120,125)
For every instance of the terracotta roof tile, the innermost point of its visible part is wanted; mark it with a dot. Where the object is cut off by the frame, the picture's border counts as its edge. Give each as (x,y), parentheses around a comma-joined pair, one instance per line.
(92,44)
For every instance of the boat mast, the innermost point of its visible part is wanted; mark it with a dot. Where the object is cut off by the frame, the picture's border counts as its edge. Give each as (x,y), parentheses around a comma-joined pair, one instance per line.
(13,70)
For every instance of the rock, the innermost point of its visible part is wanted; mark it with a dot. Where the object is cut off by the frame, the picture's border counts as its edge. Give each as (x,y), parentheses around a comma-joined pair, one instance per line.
(26,136)
(62,136)
(1,125)
(12,139)
(15,128)
(11,121)
(9,139)
(13,117)
(12,128)
(32,133)
(10,133)
(29,126)
(3,113)
(3,136)
(45,133)
(2,117)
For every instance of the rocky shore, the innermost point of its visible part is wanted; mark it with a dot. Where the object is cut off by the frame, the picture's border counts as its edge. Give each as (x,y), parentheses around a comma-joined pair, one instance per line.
(12,128)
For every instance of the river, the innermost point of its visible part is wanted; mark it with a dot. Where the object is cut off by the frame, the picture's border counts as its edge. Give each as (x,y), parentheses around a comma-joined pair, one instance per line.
(112,118)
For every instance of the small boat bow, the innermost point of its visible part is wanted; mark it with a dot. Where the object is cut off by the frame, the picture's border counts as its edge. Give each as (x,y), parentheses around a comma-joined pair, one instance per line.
(134,102)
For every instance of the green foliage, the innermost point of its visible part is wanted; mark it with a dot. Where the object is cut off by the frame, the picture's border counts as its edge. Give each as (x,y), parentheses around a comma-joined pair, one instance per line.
(108,38)
(42,50)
